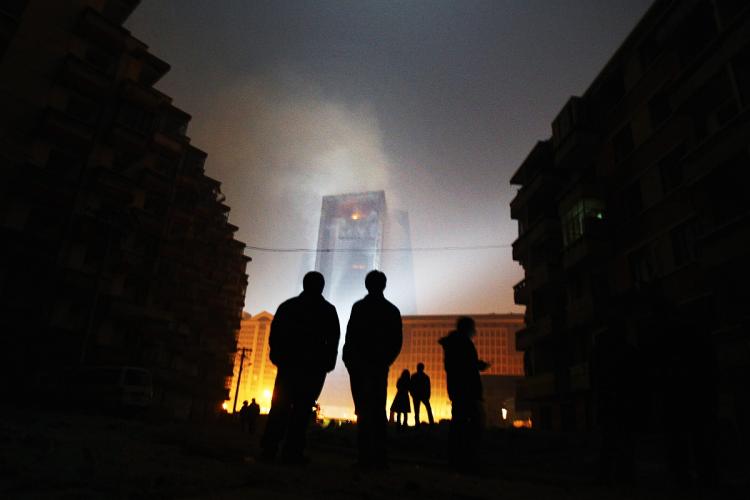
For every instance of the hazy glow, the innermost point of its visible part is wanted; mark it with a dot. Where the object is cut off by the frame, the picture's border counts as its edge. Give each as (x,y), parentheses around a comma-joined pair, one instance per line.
(435,103)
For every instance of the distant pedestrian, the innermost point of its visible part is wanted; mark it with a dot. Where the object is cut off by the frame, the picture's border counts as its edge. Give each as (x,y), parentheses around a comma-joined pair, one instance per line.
(419,387)
(401,407)
(462,367)
(243,415)
(303,345)
(373,340)
(253,410)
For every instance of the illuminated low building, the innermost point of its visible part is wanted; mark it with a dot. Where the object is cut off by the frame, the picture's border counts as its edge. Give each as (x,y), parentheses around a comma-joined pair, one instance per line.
(495,343)
(258,373)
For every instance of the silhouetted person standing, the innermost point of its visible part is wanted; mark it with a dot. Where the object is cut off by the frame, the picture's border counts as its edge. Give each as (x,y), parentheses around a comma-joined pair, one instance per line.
(419,387)
(253,410)
(462,367)
(373,340)
(304,342)
(243,415)
(401,406)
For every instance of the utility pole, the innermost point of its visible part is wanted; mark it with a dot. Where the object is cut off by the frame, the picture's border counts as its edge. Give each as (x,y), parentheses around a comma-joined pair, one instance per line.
(239,378)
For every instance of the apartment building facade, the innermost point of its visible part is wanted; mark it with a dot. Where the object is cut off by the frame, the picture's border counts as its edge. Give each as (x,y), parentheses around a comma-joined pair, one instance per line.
(637,204)
(118,246)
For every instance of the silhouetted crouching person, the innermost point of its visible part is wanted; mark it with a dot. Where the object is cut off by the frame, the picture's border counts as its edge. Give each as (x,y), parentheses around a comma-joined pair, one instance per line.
(400,405)
(462,367)
(304,342)
(419,387)
(373,340)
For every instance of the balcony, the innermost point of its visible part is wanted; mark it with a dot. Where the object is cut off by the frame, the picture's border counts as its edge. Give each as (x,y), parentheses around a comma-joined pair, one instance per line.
(536,387)
(539,193)
(521,293)
(591,244)
(101,31)
(533,333)
(580,380)
(543,228)
(83,77)
(58,126)
(574,134)
(580,312)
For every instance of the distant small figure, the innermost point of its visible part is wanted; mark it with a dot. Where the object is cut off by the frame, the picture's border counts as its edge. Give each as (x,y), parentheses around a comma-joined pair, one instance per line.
(303,345)
(243,415)
(462,367)
(419,387)
(373,340)
(401,407)
(253,410)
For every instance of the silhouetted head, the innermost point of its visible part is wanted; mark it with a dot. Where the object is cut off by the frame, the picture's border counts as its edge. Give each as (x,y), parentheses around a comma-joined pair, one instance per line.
(420,367)
(375,281)
(405,374)
(466,325)
(253,400)
(313,282)
(244,403)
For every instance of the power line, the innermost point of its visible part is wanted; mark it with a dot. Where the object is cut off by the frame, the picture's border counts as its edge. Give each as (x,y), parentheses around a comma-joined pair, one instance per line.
(353,250)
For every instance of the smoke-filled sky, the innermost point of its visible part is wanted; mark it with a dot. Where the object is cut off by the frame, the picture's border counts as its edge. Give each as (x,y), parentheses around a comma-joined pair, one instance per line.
(437,102)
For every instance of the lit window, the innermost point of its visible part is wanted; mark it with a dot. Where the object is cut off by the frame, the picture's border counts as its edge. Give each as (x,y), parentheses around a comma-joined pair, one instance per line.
(573,223)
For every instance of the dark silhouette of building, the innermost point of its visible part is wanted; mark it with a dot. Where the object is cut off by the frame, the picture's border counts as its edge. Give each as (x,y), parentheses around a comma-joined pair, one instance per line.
(640,196)
(117,246)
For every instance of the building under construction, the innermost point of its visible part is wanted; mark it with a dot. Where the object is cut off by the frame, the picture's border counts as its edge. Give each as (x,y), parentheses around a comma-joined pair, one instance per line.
(117,246)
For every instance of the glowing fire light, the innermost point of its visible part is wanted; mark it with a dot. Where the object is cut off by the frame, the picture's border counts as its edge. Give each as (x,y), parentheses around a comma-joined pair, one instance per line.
(267,394)
(225,406)
(356,216)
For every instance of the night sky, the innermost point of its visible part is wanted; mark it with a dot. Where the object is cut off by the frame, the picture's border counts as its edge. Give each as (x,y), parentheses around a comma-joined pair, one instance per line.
(436,102)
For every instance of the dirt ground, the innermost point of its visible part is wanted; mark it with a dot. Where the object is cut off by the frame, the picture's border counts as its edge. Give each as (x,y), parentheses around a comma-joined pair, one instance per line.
(55,455)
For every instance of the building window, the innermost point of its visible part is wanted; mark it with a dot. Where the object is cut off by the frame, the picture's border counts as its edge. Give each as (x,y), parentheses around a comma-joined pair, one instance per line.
(696,31)
(659,108)
(729,9)
(713,105)
(574,220)
(14,8)
(135,117)
(741,66)
(633,199)
(683,243)
(670,169)
(642,265)
(622,143)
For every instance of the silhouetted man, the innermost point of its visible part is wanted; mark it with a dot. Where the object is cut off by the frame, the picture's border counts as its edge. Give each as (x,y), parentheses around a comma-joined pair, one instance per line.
(243,415)
(373,340)
(462,367)
(419,388)
(253,410)
(304,342)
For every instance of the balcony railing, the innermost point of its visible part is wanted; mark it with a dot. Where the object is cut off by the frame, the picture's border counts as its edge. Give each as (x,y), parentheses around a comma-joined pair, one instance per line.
(520,293)
(533,333)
